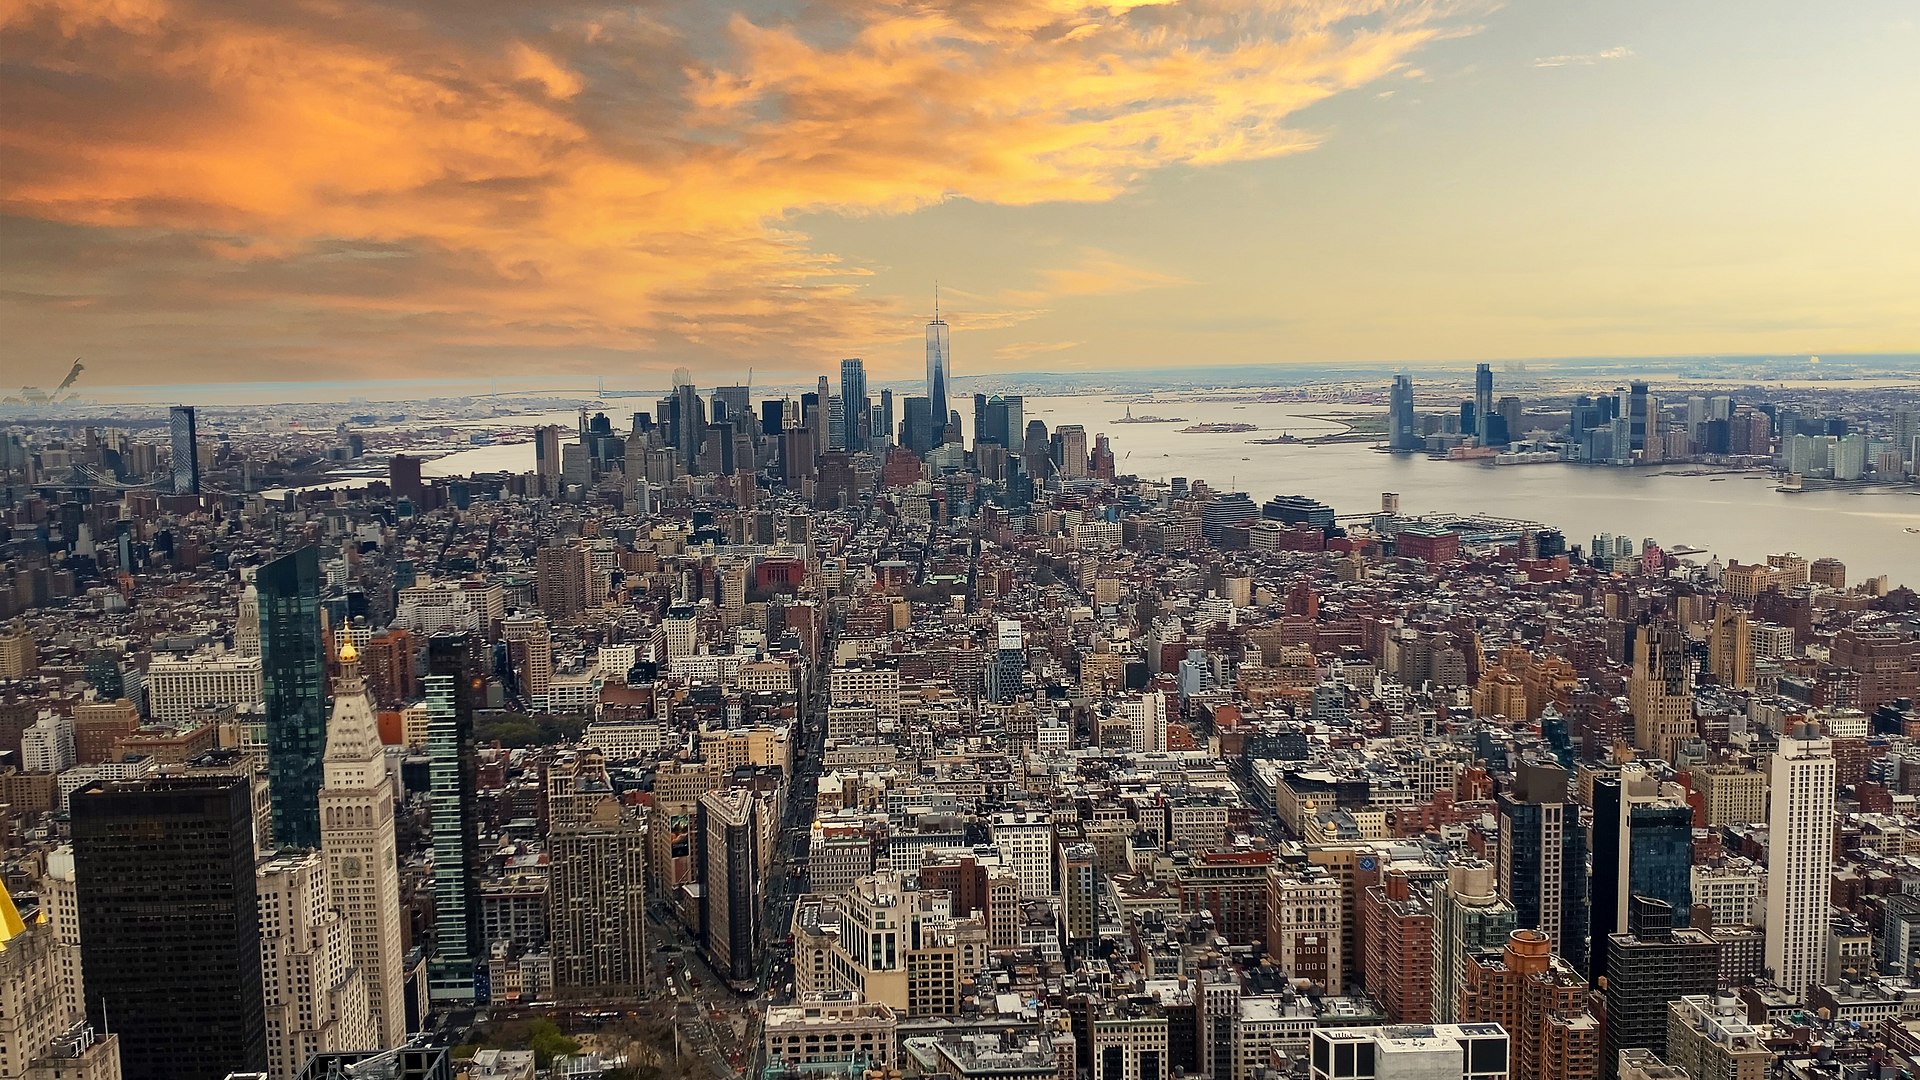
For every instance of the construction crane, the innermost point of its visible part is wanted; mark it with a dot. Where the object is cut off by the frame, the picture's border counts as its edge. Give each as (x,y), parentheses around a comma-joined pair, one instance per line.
(33,395)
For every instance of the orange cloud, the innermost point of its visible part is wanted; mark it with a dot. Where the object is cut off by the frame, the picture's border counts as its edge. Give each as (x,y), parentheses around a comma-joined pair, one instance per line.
(236,188)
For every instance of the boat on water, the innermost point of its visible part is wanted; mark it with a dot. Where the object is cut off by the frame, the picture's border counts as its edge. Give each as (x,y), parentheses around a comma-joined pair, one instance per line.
(1216,429)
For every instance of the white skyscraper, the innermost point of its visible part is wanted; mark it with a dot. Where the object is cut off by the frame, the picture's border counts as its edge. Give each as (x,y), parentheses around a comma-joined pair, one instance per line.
(246,626)
(1799,861)
(356,835)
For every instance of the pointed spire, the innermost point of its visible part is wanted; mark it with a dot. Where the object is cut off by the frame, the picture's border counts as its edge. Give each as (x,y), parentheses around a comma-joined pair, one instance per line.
(936,301)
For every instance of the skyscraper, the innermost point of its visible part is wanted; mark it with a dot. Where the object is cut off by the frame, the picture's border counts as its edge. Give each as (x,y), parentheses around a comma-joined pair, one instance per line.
(937,358)
(1642,847)
(1543,858)
(598,879)
(315,997)
(1070,451)
(730,874)
(170,918)
(1400,421)
(1483,402)
(547,462)
(1660,691)
(184,434)
(854,402)
(689,417)
(917,433)
(1643,420)
(1468,917)
(37,1007)
(1800,824)
(457,969)
(1730,647)
(1650,965)
(357,837)
(292,668)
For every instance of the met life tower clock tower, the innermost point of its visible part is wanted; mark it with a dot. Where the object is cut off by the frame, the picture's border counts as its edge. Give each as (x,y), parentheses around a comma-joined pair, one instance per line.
(356,834)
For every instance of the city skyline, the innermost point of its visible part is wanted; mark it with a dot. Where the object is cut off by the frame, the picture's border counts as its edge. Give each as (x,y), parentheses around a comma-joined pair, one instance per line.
(1096,187)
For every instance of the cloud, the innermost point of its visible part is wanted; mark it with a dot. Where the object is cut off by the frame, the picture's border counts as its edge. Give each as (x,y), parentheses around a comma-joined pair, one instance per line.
(250,190)
(1618,52)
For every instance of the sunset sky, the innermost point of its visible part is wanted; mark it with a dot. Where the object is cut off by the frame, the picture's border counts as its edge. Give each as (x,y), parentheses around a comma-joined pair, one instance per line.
(225,190)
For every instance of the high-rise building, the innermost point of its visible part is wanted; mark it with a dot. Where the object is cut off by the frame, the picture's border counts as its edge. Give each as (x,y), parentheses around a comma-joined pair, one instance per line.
(1402,431)
(1660,691)
(855,403)
(293,668)
(1730,647)
(597,876)
(1542,864)
(1468,917)
(1541,1002)
(357,838)
(184,434)
(687,415)
(403,476)
(916,432)
(548,464)
(1070,451)
(170,917)
(561,575)
(937,362)
(315,997)
(728,831)
(1649,966)
(1800,826)
(1483,403)
(1642,847)
(457,969)
(39,1017)
(1643,417)
(884,431)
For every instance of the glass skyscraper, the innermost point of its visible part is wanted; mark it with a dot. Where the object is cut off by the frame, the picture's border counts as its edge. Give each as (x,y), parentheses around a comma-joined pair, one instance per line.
(856,408)
(184,436)
(457,970)
(937,358)
(293,674)
(1642,847)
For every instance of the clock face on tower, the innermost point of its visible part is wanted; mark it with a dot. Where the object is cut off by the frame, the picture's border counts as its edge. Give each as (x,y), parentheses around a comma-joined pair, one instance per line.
(350,867)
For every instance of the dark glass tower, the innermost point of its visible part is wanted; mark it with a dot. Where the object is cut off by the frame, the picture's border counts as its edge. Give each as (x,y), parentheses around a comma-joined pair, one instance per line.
(1542,865)
(184,436)
(1653,964)
(856,406)
(1642,847)
(1400,421)
(1483,402)
(457,970)
(167,906)
(293,673)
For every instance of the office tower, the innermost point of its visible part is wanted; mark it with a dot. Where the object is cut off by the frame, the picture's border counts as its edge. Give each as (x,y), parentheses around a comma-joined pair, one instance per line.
(1542,863)
(164,869)
(1402,432)
(728,828)
(547,462)
(855,405)
(917,433)
(1800,825)
(246,624)
(357,838)
(292,669)
(1036,453)
(39,1016)
(1649,966)
(1398,957)
(561,577)
(403,476)
(836,422)
(689,420)
(1660,691)
(1408,1052)
(884,432)
(937,360)
(457,969)
(1642,413)
(60,904)
(733,404)
(1541,1002)
(1070,452)
(1483,402)
(1007,667)
(315,998)
(184,432)
(1468,917)
(1642,847)
(597,908)
(1730,648)
(1079,889)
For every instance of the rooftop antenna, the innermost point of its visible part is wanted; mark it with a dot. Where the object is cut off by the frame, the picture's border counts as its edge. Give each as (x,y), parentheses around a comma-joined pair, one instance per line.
(936,300)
